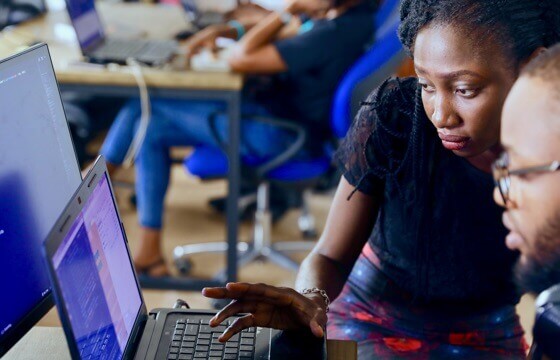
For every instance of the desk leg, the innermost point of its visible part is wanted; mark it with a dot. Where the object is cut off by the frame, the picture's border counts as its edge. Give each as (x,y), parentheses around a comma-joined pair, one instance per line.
(234,180)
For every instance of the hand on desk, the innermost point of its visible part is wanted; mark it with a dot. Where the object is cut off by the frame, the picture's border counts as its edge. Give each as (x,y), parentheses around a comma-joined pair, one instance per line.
(268,306)
(205,39)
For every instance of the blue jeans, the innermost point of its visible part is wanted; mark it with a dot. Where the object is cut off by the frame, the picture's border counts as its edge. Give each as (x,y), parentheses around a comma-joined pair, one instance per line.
(181,123)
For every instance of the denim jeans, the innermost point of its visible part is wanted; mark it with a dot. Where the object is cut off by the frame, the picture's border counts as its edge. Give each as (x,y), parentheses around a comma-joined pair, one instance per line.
(181,123)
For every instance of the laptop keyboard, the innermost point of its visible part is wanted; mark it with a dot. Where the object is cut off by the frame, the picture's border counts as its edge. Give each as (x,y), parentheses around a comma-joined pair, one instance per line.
(195,339)
(136,48)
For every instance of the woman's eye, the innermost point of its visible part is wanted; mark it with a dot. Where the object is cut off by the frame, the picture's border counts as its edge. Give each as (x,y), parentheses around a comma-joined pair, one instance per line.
(468,93)
(427,88)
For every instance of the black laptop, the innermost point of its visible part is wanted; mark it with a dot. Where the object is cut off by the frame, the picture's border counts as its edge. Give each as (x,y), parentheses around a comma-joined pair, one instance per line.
(101,306)
(99,48)
(201,18)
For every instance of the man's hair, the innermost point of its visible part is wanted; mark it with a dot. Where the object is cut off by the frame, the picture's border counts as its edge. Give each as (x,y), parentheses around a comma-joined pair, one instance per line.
(546,66)
(519,26)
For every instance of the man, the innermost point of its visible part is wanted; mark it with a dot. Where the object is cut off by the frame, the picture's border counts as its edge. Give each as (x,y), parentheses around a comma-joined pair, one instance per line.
(528,179)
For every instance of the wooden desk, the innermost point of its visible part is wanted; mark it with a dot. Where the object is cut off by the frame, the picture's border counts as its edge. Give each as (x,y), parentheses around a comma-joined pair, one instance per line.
(50,343)
(153,21)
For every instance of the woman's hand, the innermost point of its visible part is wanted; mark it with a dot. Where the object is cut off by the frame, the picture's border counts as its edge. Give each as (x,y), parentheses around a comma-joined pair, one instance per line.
(268,306)
(205,38)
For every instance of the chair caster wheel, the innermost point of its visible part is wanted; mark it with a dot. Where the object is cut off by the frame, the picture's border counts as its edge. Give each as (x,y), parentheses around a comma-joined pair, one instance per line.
(219,304)
(184,265)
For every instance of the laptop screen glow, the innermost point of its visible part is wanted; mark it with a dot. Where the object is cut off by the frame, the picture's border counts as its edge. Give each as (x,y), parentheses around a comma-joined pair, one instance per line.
(86,22)
(96,278)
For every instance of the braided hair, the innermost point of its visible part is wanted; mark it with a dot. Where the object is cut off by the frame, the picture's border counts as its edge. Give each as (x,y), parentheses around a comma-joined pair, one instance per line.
(521,26)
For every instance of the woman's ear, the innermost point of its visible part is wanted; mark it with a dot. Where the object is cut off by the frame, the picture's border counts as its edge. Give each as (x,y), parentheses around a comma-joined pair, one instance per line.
(534,55)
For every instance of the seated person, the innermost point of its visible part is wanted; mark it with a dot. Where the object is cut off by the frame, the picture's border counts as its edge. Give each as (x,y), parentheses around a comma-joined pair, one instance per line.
(413,248)
(528,178)
(308,66)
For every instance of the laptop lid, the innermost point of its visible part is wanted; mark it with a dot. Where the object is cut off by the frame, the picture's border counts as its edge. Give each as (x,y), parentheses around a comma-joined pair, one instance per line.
(87,24)
(95,286)
(39,172)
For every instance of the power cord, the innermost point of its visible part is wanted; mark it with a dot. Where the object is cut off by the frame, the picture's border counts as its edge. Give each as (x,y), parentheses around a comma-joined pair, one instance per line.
(146,113)
(181,303)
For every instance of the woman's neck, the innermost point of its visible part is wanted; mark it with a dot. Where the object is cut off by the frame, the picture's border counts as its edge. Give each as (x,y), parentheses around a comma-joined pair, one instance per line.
(485,160)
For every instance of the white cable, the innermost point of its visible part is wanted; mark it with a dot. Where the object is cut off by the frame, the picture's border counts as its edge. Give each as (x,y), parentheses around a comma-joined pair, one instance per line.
(146,113)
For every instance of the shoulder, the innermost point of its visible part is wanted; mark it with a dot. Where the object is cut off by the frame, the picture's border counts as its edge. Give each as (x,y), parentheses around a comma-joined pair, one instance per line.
(395,103)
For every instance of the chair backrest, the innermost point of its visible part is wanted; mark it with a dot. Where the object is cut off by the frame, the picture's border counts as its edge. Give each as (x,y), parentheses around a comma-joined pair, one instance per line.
(369,71)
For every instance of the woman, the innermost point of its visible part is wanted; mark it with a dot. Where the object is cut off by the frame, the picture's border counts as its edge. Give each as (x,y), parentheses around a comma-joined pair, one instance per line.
(307,61)
(415,256)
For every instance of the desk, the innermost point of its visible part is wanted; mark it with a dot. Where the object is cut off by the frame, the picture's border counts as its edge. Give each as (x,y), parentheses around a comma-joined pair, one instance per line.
(50,343)
(133,19)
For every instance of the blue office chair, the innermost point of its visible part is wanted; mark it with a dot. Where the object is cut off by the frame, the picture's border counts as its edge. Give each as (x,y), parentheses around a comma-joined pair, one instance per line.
(379,62)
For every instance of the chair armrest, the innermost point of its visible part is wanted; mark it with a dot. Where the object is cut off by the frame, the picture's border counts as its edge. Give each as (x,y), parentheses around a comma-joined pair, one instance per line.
(290,152)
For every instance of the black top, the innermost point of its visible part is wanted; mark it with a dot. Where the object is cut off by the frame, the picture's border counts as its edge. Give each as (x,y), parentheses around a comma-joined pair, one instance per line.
(439,233)
(316,60)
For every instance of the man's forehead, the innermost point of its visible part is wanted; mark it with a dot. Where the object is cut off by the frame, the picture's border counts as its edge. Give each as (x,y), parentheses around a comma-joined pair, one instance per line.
(531,119)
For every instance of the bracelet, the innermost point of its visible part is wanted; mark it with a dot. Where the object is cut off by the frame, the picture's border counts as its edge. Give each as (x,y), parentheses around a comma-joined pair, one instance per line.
(321,292)
(239,28)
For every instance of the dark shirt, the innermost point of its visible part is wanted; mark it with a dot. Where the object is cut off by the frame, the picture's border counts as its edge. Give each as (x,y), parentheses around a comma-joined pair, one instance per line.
(316,60)
(438,233)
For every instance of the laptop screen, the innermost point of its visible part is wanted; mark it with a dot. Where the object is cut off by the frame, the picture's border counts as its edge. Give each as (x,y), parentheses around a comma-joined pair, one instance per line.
(96,279)
(86,22)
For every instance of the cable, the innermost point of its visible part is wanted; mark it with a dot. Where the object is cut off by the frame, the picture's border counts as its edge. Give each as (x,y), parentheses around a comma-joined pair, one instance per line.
(181,303)
(146,113)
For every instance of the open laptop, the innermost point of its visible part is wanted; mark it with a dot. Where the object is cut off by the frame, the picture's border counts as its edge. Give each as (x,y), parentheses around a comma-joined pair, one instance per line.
(200,18)
(99,48)
(101,306)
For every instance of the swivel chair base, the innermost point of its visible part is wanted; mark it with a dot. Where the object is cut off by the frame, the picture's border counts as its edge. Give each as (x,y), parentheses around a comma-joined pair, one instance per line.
(261,248)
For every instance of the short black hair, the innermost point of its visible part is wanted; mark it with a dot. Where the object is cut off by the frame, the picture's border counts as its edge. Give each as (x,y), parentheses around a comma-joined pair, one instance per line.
(546,66)
(520,26)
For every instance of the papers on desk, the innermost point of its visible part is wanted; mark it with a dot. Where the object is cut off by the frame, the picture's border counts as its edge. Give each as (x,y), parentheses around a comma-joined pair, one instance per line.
(207,61)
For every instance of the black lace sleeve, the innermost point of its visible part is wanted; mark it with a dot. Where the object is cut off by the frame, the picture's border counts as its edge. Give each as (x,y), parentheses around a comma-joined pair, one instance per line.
(378,140)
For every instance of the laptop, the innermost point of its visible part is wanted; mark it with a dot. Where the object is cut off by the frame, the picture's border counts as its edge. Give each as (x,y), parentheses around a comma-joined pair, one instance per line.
(101,306)
(201,19)
(99,48)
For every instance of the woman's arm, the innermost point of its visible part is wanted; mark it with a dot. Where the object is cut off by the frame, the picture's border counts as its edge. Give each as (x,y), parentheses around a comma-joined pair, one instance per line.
(255,52)
(349,225)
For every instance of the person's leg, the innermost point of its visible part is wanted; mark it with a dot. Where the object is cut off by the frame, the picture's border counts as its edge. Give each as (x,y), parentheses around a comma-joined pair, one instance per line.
(120,135)
(153,165)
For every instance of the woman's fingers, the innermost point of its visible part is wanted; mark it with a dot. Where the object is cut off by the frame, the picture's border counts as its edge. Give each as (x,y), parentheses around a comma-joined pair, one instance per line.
(237,326)
(269,294)
(316,329)
(233,308)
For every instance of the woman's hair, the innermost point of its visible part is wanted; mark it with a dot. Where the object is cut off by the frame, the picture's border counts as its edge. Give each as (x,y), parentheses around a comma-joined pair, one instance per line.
(520,26)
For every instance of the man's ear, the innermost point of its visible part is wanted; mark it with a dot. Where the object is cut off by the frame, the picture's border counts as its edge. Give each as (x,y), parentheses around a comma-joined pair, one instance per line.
(534,55)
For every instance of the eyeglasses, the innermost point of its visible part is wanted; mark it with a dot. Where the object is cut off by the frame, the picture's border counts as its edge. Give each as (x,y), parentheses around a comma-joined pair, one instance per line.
(502,174)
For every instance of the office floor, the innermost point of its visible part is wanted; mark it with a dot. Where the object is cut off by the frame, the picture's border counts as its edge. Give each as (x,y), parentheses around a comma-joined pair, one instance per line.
(189,219)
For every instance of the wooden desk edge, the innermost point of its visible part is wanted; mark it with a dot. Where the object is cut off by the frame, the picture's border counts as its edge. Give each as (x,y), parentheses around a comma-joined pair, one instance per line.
(50,341)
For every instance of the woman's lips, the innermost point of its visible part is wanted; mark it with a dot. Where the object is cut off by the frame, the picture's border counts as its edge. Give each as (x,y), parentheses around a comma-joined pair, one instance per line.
(454,142)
